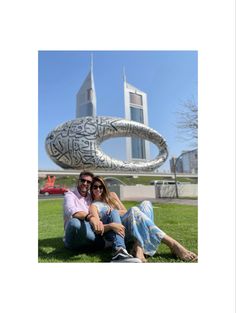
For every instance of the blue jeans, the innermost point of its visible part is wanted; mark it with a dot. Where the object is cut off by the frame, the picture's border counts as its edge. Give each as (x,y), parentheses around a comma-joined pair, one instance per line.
(113,216)
(79,235)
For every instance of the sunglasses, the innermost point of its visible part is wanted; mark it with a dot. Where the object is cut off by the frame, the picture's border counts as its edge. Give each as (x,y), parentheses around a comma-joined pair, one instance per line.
(83,181)
(97,186)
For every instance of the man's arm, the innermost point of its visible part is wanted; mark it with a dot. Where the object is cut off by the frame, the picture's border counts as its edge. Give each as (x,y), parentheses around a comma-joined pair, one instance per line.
(81,215)
(93,220)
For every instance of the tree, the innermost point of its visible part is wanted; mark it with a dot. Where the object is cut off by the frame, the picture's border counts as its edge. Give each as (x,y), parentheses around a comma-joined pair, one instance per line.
(187,122)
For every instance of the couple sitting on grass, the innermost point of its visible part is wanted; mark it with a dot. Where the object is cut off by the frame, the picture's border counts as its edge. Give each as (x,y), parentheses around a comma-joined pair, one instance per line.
(96,218)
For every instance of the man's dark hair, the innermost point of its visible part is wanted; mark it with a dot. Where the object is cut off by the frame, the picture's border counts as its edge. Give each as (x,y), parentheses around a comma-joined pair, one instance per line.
(86,173)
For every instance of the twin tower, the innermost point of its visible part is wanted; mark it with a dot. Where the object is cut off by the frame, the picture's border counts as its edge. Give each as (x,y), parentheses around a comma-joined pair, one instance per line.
(135,101)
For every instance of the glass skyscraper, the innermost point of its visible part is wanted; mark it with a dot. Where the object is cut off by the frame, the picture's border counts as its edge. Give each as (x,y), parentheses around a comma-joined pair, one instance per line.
(86,97)
(137,149)
(135,102)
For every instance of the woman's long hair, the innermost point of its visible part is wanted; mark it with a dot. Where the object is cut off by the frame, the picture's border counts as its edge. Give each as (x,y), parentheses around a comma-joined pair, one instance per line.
(105,196)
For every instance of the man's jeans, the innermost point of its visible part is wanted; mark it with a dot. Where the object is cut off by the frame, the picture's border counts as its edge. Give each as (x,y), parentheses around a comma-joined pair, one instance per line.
(79,233)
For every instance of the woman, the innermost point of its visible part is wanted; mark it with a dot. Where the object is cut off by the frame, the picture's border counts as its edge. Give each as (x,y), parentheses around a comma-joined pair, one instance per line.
(138,222)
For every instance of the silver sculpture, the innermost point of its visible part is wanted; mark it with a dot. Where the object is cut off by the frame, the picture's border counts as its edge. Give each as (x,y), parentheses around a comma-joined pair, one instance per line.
(75,144)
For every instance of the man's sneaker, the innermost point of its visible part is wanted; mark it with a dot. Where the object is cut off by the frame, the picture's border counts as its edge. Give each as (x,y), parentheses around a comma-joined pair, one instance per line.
(122,256)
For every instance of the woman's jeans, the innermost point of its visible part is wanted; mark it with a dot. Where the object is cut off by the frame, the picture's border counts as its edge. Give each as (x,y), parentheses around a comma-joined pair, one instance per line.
(107,218)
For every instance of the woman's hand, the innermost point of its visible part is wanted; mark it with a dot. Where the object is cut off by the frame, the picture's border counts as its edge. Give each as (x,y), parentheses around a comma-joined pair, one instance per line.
(97,225)
(118,228)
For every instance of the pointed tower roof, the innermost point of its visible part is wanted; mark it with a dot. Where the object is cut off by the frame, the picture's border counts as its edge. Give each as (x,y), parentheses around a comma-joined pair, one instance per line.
(128,85)
(86,96)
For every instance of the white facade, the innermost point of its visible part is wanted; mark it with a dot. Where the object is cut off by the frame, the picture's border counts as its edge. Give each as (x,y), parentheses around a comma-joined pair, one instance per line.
(190,162)
(135,101)
(86,98)
(141,192)
(179,165)
(187,162)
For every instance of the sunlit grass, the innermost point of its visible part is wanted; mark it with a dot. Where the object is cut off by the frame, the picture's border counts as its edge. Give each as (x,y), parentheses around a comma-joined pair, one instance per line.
(178,221)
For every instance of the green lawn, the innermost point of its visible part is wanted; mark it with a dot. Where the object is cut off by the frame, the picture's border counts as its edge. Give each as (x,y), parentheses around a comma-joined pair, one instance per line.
(178,221)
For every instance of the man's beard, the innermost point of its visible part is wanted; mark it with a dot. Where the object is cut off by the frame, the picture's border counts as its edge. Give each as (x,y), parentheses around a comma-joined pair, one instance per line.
(82,191)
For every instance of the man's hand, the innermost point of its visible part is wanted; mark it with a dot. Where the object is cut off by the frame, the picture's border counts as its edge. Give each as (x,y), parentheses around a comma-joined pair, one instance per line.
(97,225)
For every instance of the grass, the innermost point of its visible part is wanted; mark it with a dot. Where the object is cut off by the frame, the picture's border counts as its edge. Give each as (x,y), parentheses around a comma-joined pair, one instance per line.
(178,221)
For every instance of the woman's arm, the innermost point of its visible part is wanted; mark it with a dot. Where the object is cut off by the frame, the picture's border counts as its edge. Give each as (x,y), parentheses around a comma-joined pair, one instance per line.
(94,211)
(94,220)
(116,227)
(120,206)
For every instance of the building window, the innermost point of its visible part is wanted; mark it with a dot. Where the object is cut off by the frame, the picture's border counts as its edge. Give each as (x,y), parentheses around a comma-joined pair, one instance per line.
(136,114)
(135,98)
(138,148)
(90,95)
(86,110)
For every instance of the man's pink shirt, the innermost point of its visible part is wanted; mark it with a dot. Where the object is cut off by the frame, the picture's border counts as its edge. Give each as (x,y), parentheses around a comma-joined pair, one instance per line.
(74,202)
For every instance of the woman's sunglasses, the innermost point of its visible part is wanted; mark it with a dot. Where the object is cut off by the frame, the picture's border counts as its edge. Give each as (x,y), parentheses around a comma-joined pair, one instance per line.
(97,186)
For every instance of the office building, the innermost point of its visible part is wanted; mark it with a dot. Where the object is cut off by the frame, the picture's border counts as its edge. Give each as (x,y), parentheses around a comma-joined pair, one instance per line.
(86,97)
(135,102)
(187,162)
(179,165)
(190,162)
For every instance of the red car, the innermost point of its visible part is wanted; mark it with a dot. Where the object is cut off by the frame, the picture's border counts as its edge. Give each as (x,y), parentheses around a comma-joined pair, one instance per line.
(55,190)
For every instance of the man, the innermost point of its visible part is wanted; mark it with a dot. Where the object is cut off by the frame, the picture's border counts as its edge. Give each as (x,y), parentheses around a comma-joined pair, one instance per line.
(82,229)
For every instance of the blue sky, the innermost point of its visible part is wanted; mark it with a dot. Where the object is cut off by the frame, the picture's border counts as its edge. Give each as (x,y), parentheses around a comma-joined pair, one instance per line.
(168,77)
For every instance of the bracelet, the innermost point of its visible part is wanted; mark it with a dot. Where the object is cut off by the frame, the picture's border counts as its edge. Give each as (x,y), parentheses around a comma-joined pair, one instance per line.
(88,217)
